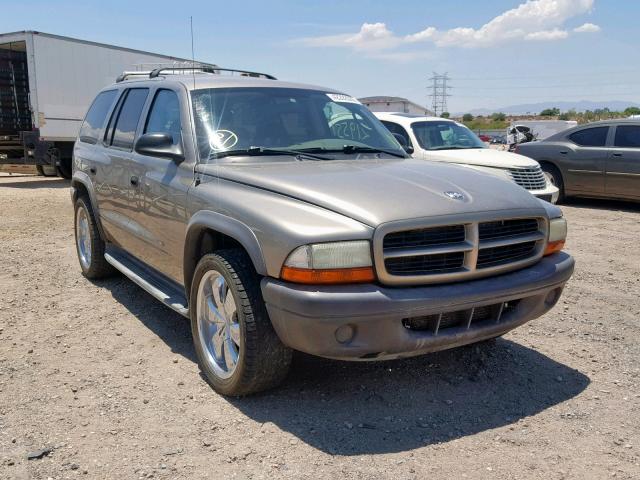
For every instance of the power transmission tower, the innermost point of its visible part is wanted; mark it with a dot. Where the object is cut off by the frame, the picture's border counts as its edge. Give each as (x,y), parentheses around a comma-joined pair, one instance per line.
(439,93)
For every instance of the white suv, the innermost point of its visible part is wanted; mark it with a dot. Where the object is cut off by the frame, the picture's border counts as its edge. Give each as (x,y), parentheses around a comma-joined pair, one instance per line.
(444,140)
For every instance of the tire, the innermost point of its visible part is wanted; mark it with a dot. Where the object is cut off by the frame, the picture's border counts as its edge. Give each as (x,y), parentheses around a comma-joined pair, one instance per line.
(46,170)
(555,178)
(89,244)
(248,357)
(64,169)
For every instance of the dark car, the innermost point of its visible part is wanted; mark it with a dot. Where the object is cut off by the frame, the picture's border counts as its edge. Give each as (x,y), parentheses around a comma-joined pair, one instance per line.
(601,159)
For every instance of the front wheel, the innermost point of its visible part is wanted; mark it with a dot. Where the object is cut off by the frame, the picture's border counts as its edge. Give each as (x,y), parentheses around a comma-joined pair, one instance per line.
(238,350)
(554,177)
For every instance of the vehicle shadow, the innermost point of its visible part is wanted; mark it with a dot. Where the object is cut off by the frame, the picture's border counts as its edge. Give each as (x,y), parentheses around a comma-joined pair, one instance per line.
(30,183)
(595,204)
(171,327)
(353,408)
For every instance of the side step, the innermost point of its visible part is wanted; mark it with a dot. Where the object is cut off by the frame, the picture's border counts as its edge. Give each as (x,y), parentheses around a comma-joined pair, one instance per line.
(162,288)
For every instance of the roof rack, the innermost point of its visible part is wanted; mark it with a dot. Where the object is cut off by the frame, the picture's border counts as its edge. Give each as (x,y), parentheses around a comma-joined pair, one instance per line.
(137,73)
(211,69)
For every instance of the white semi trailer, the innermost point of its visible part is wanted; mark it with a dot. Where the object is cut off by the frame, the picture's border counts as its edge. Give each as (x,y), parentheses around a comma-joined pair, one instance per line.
(47,83)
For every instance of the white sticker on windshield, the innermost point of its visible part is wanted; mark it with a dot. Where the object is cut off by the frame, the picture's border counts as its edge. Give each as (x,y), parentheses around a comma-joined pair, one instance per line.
(221,140)
(341,98)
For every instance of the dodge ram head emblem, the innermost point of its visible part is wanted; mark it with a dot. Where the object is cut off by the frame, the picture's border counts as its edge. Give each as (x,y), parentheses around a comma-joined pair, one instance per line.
(454,195)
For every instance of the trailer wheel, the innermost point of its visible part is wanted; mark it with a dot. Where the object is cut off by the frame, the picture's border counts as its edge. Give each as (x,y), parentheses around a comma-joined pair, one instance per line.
(46,170)
(64,169)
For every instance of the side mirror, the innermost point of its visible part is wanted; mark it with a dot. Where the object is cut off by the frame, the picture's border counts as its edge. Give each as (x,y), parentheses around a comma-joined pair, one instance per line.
(159,145)
(402,140)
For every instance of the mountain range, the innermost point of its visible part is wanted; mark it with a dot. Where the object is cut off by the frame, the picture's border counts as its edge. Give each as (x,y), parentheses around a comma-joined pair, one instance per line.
(534,108)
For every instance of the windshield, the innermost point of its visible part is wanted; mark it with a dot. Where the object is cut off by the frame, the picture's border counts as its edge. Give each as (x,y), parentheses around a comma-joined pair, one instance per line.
(230,120)
(435,135)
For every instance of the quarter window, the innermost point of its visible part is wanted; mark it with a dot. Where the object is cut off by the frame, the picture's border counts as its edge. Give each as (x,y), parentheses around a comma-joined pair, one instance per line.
(96,116)
(126,123)
(628,136)
(590,137)
(164,116)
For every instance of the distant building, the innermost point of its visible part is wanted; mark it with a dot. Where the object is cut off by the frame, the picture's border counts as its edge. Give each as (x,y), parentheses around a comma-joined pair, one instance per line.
(394,104)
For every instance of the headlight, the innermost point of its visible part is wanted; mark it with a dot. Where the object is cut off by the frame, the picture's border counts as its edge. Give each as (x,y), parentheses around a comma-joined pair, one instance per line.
(330,263)
(557,235)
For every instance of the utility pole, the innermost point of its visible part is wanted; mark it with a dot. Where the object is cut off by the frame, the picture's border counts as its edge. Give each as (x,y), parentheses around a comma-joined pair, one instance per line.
(439,92)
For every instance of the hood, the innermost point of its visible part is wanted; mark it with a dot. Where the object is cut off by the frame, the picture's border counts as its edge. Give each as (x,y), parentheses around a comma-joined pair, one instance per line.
(482,157)
(375,191)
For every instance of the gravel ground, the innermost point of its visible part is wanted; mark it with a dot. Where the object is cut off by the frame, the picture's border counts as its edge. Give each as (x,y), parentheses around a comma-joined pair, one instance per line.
(106,377)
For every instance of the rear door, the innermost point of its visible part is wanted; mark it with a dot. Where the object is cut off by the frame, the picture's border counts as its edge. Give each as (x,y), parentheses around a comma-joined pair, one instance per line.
(118,184)
(583,159)
(623,163)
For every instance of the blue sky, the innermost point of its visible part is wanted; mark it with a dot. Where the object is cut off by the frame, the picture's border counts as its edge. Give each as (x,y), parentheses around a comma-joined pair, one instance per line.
(497,52)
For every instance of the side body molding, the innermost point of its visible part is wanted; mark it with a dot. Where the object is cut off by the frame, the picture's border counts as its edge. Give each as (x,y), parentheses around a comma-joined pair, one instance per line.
(208,220)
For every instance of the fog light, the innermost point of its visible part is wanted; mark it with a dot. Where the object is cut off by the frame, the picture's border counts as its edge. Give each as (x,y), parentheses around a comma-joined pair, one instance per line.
(345,334)
(552,297)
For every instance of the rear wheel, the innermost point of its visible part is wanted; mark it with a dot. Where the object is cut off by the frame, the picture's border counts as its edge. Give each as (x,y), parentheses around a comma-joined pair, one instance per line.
(46,170)
(64,168)
(554,177)
(238,351)
(89,244)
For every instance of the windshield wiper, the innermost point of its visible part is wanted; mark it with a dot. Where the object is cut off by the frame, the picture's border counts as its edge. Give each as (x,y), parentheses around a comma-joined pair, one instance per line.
(262,151)
(360,149)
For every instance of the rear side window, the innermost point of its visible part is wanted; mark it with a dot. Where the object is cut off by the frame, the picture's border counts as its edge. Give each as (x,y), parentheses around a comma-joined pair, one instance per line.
(164,116)
(397,129)
(628,136)
(126,122)
(590,137)
(96,116)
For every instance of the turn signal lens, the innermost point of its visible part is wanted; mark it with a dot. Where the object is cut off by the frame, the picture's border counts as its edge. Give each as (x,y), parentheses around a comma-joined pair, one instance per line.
(553,247)
(327,263)
(557,235)
(334,276)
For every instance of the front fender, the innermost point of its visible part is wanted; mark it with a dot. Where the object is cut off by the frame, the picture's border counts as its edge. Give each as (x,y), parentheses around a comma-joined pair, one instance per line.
(208,220)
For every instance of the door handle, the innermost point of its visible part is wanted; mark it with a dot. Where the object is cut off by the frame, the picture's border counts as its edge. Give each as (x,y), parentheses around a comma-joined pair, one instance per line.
(564,152)
(617,154)
(134,181)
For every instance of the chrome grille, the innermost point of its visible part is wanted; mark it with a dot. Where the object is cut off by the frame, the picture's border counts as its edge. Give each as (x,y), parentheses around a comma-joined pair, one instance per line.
(445,253)
(529,178)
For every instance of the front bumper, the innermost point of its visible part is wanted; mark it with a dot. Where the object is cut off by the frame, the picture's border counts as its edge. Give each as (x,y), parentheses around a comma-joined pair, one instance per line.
(549,194)
(367,322)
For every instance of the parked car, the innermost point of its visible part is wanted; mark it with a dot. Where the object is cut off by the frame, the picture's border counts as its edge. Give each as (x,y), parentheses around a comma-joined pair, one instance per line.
(600,159)
(530,130)
(443,140)
(243,204)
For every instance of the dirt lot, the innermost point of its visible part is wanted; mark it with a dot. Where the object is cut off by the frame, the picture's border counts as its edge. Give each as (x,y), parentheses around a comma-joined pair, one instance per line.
(106,376)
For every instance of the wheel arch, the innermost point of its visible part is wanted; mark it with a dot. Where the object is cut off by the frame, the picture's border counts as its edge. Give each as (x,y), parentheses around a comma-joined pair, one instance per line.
(210,231)
(81,185)
(552,164)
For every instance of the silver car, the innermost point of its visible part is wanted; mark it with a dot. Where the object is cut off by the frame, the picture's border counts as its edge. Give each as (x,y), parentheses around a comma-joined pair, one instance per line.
(600,159)
(279,217)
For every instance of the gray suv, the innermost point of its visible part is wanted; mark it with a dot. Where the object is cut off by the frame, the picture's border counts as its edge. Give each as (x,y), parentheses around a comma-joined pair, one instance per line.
(280,217)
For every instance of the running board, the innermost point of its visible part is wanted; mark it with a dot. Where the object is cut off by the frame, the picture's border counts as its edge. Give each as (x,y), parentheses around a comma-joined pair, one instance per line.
(156,284)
